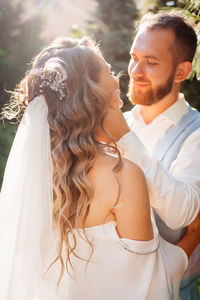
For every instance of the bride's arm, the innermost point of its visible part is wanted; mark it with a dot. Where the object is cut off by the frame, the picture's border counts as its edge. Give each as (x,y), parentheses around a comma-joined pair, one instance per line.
(133,209)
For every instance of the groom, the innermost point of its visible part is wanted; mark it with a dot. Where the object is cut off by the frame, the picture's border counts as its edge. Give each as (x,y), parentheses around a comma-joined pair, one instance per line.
(168,148)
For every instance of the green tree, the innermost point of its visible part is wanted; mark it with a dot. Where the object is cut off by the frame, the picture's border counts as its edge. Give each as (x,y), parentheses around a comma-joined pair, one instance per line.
(7,133)
(191,8)
(113,26)
(19,42)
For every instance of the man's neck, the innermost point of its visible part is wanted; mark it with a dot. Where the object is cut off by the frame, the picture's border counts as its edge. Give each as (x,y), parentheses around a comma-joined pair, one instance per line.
(149,113)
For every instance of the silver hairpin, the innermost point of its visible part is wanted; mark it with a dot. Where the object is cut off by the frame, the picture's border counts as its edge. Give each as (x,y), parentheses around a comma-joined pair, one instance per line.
(54,76)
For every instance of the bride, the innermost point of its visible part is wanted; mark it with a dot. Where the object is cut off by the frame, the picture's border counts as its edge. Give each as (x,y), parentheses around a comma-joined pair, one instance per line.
(75,219)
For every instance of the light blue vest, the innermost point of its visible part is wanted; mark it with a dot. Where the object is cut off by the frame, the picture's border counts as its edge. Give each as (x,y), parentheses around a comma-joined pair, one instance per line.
(166,151)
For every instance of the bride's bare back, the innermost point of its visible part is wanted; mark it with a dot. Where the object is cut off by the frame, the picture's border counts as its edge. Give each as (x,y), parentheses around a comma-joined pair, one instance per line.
(132,210)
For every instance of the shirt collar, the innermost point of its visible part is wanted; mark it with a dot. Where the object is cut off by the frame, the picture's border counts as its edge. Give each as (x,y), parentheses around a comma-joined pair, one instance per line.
(174,113)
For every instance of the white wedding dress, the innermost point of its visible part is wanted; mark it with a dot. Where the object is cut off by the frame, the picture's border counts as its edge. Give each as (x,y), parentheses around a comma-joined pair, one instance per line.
(119,269)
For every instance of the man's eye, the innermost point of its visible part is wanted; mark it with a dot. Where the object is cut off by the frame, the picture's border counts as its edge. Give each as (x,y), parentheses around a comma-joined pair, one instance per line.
(134,58)
(152,63)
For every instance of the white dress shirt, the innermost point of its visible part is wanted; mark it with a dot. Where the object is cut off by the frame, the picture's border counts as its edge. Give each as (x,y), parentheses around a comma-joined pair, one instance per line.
(175,195)
(152,133)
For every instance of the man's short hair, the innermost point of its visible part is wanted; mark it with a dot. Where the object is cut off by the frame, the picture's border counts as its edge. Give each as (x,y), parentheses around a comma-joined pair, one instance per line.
(185,36)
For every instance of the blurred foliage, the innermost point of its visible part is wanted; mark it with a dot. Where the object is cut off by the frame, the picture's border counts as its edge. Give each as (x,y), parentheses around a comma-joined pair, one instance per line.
(113,26)
(76,32)
(7,133)
(191,8)
(19,42)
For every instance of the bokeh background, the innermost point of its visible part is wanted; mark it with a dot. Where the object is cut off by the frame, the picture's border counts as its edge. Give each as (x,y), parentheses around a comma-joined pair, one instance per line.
(26,26)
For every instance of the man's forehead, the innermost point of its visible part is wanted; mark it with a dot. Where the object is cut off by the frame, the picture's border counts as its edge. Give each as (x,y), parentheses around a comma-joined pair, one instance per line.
(158,40)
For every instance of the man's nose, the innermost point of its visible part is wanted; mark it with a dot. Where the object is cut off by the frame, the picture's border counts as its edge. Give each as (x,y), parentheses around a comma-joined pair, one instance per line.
(136,69)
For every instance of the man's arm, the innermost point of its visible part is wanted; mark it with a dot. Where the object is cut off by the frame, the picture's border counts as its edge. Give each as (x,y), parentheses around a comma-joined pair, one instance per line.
(175,200)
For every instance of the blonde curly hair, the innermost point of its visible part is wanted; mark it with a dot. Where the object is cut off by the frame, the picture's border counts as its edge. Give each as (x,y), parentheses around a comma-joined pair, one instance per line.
(72,122)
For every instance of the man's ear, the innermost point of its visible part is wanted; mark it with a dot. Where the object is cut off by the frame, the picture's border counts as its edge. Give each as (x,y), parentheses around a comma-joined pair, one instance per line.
(182,71)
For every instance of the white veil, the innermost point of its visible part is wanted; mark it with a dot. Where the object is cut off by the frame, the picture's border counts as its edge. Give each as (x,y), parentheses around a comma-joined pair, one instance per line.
(26,229)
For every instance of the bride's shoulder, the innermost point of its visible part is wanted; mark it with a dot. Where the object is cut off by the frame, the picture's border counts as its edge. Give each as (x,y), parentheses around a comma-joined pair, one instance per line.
(106,164)
(130,170)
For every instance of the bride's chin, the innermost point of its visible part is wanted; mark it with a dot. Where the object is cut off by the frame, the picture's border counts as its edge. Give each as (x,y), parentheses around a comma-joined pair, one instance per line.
(121,103)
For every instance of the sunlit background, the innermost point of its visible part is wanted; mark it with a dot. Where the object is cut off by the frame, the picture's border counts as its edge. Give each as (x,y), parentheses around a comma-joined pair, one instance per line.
(60,16)
(26,26)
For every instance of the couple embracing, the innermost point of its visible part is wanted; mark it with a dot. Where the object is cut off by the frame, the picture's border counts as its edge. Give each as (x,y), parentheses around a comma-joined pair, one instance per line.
(96,204)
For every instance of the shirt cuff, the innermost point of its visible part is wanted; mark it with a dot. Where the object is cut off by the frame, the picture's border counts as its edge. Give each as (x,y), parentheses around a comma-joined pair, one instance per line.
(132,148)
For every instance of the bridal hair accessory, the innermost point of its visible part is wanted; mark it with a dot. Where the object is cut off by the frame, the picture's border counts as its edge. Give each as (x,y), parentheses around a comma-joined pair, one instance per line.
(54,76)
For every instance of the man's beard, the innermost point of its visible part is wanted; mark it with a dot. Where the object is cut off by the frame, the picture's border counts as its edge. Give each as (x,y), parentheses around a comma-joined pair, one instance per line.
(151,96)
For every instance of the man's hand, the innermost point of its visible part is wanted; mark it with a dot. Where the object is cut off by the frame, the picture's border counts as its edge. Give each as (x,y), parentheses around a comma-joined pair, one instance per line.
(192,237)
(194,227)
